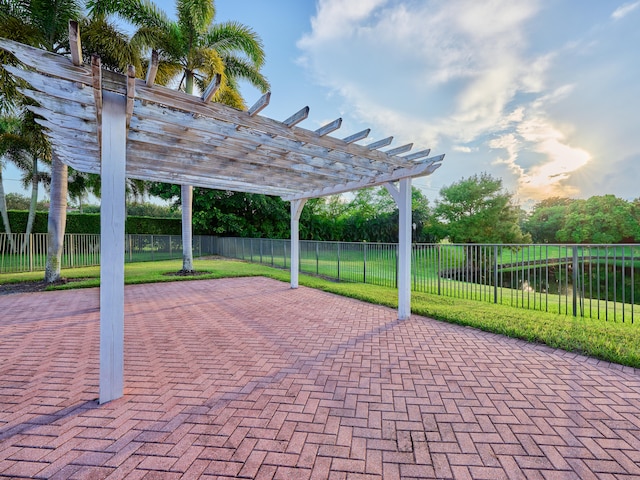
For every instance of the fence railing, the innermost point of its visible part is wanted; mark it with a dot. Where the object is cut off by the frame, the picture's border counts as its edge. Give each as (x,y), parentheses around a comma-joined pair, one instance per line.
(598,281)
(25,253)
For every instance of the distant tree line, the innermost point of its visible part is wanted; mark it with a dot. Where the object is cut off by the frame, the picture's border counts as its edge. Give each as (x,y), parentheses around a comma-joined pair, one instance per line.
(477,209)
(472,210)
(599,219)
(16,201)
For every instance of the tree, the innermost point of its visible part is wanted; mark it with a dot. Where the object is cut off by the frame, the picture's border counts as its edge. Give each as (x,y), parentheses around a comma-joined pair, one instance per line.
(7,125)
(601,219)
(547,218)
(478,210)
(198,51)
(25,144)
(43,24)
(219,212)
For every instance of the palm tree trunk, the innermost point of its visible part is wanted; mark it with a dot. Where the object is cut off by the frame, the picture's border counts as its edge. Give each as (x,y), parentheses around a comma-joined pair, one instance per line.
(35,180)
(186,194)
(57,219)
(5,215)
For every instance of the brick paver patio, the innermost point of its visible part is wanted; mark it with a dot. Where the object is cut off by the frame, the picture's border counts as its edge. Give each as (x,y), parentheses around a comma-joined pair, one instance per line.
(248,378)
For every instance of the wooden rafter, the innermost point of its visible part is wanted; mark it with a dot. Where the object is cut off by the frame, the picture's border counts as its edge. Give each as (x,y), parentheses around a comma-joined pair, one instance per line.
(179,138)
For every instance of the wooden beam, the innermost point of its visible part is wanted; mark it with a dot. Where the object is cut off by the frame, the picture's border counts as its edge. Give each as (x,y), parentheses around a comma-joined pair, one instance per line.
(153,69)
(403,201)
(212,88)
(399,150)
(261,104)
(297,117)
(329,127)
(357,136)
(74,43)
(280,145)
(380,143)
(131,92)
(296,211)
(420,170)
(112,218)
(96,78)
(417,155)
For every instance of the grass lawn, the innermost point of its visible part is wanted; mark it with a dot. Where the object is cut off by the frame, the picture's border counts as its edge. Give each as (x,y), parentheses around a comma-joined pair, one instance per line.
(611,341)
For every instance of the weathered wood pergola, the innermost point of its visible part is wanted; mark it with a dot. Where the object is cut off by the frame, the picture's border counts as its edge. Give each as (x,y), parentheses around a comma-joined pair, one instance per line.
(120,126)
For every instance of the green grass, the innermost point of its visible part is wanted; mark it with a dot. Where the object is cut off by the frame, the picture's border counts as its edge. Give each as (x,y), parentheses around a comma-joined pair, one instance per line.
(611,341)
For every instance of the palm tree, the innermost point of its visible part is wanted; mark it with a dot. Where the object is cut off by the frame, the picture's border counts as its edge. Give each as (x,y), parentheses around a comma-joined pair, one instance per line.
(8,125)
(193,51)
(44,24)
(25,144)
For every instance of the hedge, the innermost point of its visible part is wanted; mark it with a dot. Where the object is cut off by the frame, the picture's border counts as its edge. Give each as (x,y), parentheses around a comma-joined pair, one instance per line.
(90,223)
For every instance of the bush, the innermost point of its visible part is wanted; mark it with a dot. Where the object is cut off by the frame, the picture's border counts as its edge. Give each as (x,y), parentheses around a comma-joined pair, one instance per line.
(90,223)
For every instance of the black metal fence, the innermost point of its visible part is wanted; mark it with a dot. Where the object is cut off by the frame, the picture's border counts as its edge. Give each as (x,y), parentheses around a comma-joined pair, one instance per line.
(25,253)
(598,281)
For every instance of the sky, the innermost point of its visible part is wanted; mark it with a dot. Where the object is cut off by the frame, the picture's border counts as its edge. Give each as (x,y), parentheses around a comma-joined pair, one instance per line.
(543,94)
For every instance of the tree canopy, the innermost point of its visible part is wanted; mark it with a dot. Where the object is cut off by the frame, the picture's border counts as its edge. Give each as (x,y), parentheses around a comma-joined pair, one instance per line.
(478,210)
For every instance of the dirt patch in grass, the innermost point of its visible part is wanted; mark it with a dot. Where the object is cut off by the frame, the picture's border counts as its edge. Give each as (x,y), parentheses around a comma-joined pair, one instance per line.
(187,273)
(28,287)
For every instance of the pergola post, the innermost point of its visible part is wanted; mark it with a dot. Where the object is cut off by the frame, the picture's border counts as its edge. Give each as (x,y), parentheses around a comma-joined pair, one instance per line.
(402,196)
(112,218)
(296,211)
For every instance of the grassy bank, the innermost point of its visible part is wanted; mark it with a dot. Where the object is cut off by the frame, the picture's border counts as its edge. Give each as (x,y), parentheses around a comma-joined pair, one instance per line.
(611,341)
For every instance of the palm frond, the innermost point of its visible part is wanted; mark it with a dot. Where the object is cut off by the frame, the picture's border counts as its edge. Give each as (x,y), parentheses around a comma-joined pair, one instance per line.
(167,72)
(102,37)
(236,38)
(141,13)
(52,17)
(194,18)
(16,29)
(230,97)
(238,68)
(208,62)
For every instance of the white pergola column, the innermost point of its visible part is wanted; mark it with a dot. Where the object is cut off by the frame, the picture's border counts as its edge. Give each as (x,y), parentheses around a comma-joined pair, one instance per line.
(402,196)
(296,211)
(112,218)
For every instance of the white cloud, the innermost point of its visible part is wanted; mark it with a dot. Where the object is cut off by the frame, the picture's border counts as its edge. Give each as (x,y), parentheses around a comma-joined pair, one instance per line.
(624,10)
(451,74)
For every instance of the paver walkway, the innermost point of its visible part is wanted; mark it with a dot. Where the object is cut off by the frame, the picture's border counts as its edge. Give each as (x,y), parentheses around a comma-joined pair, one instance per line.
(248,378)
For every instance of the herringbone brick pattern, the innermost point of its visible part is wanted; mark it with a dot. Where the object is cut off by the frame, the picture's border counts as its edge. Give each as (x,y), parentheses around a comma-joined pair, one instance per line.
(247,378)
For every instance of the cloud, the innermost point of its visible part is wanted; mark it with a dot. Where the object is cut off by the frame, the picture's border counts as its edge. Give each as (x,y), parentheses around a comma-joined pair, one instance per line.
(449,75)
(624,10)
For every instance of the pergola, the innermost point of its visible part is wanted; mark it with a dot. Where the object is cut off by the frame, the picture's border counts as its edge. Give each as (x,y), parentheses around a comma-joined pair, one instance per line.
(119,126)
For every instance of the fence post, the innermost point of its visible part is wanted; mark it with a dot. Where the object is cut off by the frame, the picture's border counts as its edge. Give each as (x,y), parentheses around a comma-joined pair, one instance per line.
(338,244)
(574,275)
(152,247)
(495,274)
(439,255)
(31,252)
(364,266)
(71,251)
(395,251)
